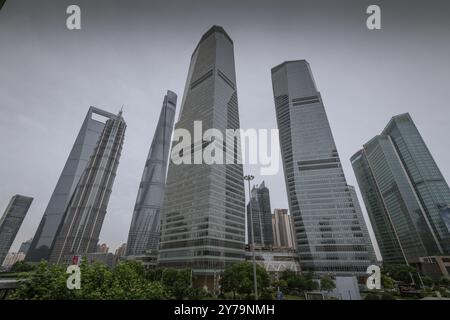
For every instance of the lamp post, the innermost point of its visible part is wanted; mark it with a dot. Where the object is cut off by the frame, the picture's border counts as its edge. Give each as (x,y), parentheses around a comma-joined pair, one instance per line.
(249,178)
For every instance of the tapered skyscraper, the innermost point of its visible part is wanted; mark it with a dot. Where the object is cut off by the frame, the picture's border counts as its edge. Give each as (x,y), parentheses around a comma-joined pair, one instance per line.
(11,221)
(406,196)
(144,230)
(203,216)
(262,216)
(83,220)
(76,163)
(331,235)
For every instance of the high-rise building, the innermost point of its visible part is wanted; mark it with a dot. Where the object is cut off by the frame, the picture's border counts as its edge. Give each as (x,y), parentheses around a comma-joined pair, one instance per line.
(120,251)
(405,194)
(143,236)
(80,229)
(11,221)
(25,246)
(12,258)
(76,164)
(262,216)
(203,216)
(330,233)
(103,248)
(283,231)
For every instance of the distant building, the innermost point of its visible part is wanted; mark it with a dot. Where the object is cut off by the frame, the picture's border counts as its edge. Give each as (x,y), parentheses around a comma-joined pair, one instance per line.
(11,221)
(11,258)
(406,195)
(435,267)
(103,248)
(283,232)
(145,224)
(120,251)
(107,258)
(25,246)
(261,216)
(76,163)
(330,233)
(86,210)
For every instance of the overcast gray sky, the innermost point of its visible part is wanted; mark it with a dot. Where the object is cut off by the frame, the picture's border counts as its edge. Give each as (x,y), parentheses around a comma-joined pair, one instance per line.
(130,52)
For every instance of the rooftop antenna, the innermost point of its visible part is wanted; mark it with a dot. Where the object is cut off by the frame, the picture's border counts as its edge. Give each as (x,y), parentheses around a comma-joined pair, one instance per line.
(121,110)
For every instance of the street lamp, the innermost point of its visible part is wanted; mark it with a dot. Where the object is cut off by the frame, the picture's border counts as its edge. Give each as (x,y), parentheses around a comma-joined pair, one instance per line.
(250,178)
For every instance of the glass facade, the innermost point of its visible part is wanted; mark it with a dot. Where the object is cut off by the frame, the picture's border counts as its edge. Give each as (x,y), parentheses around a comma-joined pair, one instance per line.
(144,230)
(11,221)
(331,234)
(80,229)
(404,192)
(79,156)
(262,216)
(203,215)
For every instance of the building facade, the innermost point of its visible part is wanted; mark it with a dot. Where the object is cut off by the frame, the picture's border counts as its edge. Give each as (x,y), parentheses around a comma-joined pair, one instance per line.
(76,164)
(145,224)
(330,234)
(405,194)
(25,246)
(283,231)
(80,229)
(261,216)
(11,221)
(203,215)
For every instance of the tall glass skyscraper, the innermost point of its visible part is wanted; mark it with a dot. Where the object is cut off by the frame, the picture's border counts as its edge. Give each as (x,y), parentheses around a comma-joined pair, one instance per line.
(80,229)
(405,194)
(331,234)
(76,163)
(203,215)
(262,216)
(144,230)
(11,221)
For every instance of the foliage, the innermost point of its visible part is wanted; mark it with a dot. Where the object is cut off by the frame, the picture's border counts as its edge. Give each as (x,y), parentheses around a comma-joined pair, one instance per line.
(298,283)
(327,284)
(22,266)
(387,282)
(400,272)
(238,278)
(387,296)
(371,296)
(126,281)
(445,281)
(427,281)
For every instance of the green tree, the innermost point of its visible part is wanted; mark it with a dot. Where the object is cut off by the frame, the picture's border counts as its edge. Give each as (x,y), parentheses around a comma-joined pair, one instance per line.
(445,281)
(387,282)
(428,282)
(327,284)
(238,278)
(22,266)
(401,272)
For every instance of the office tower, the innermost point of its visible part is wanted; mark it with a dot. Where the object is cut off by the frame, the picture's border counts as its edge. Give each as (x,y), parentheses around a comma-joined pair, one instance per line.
(283,231)
(11,221)
(102,248)
(11,259)
(143,236)
(405,194)
(76,163)
(120,251)
(25,246)
(330,233)
(203,215)
(262,216)
(80,229)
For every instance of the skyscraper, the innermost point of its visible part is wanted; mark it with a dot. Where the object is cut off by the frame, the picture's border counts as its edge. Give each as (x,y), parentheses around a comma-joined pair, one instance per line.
(25,246)
(330,233)
(283,231)
(405,194)
(262,216)
(11,221)
(80,229)
(203,216)
(76,163)
(144,230)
